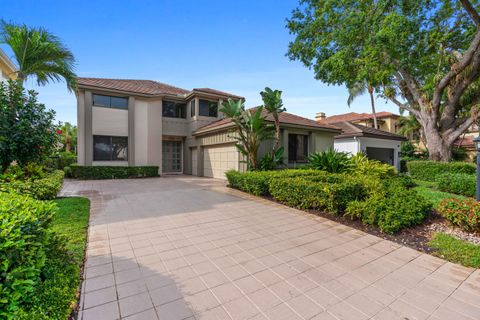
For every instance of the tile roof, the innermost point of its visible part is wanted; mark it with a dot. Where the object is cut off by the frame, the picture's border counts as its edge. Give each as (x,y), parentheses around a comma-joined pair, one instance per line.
(466,142)
(284,117)
(353,116)
(217,92)
(356,130)
(145,87)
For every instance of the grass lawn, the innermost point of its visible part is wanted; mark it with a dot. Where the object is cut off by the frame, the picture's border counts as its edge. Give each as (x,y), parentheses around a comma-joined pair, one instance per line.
(57,294)
(427,189)
(455,250)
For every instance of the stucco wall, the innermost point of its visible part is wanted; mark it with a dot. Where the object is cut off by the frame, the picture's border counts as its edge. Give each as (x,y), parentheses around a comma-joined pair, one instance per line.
(348,145)
(141,132)
(155,133)
(81,128)
(108,121)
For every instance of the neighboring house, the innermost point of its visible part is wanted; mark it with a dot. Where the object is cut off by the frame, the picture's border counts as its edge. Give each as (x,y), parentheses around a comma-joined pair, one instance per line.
(8,70)
(375,144)
(387,121)
(143,122)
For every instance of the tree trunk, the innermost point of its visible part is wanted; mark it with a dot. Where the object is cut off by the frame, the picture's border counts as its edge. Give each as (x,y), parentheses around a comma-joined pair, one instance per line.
(438,149)
(67,147)
(372,102)
(277,134)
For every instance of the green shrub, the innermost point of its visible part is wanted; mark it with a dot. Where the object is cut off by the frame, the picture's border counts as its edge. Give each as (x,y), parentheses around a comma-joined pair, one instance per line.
(457,183)
(360,164)
(61,160)
(256,182)
(393,209)
(331,161)
(330,192)
(464,213)
(24,234)
(112,172)
(431,170)
(45,188)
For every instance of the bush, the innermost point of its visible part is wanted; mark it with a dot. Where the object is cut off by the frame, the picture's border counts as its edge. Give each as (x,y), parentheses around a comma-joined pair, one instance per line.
(24,235)
(45,188)
(395,208)
(431,170)
(360,164)
(457,183)
(112,172)
(61,160)
(330,161)
(464,213)
(330,192)
(257,182)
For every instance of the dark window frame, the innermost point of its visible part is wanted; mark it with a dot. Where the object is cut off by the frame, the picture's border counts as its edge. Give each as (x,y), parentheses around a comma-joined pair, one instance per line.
(109,104)
(179,112)
(293,144)
(211,106)
(112,141)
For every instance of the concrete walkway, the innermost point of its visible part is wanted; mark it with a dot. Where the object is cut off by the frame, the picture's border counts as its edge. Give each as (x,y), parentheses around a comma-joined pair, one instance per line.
(188,248)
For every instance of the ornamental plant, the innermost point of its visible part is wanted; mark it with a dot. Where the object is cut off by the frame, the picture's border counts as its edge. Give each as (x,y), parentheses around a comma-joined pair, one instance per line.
(464,213)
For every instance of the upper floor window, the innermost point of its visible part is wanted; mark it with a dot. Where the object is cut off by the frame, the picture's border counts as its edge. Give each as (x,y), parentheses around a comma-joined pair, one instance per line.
(192,108)
(173,109)
(109,148)
(110,102)
(297,147)
(208,108)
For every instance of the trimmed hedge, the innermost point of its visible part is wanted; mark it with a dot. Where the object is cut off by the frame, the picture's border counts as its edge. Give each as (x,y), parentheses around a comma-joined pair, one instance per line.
(45,188)
(257,182)
(112,172)
(332,193)
(431,170)
(24,236)
(459,183)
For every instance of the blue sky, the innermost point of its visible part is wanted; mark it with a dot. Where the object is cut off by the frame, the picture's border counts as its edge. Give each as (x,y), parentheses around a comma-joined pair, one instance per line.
(234,46)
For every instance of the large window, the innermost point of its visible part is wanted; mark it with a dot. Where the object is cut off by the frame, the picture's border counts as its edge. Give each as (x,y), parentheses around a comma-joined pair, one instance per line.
(108,148)
(173,109)
(208,108)
(110,102)
(297,147)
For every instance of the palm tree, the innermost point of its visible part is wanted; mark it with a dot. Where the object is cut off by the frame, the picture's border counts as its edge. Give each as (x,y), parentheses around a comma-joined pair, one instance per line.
(358,89)
(39,54)
(272,101)
(251,129)
(409,125)
(69,136)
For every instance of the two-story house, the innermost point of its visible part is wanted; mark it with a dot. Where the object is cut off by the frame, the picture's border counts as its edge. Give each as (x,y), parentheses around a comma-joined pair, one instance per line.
(144,122)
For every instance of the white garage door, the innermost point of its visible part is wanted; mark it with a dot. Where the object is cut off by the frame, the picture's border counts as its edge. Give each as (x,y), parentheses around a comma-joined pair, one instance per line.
(218,160)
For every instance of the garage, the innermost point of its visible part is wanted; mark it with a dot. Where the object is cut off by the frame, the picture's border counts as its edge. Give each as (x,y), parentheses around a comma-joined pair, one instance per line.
(219,159)
(385,155)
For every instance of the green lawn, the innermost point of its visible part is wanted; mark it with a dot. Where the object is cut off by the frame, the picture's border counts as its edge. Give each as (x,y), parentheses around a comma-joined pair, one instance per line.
(455,250)
(428,190)
(57,294)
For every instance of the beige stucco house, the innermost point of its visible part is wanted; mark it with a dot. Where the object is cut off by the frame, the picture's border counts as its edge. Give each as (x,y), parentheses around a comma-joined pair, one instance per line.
(8,70)
(143,122)
(387,121)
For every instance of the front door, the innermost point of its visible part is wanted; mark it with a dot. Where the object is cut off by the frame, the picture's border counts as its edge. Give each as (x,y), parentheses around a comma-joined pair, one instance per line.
(172,156)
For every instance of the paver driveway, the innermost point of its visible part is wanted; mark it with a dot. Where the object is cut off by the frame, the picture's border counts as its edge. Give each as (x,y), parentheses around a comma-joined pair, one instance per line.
(188,248)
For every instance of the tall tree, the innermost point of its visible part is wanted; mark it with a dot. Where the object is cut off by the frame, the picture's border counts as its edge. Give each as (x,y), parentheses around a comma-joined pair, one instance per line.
(424,54)
(358,89)
(27,130)
(272,101)
(39,54)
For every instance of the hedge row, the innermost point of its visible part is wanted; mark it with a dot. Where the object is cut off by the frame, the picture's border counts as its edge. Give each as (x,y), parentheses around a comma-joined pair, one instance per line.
(457,183)
(111,172)
(45,188)
(431,170)
(389,203)
(24,236)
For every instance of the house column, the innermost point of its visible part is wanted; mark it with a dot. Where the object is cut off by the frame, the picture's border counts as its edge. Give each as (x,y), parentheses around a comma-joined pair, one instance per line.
(200,161)
(88,129)
(284,142)
(131,131)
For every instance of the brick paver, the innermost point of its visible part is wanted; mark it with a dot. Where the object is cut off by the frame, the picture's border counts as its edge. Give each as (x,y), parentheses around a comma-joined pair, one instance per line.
(188,248)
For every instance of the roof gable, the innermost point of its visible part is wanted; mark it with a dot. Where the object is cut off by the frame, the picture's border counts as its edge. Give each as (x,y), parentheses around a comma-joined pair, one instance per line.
(350,130)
